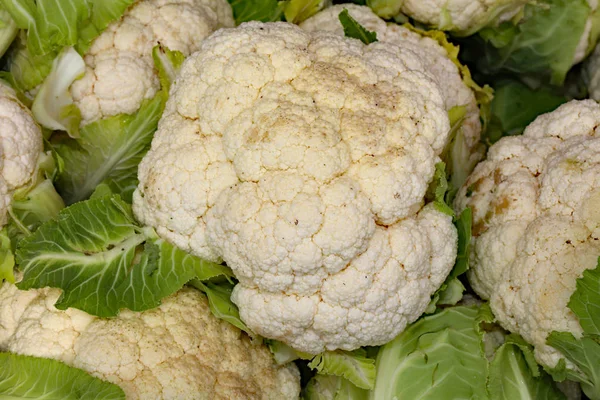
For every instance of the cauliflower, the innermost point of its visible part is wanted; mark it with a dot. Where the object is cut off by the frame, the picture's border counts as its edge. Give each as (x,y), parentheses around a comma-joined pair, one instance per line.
(119,72)
(536,224)
(176,351)
(463,17)
(302,159)
(20,147)
(434,57)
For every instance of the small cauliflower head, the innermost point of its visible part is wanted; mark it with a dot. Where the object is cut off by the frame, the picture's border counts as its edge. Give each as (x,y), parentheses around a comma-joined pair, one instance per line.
(536,222)
(434,57)
(120,72)
(176,351)
(302,159)
(20,147)
(462,17)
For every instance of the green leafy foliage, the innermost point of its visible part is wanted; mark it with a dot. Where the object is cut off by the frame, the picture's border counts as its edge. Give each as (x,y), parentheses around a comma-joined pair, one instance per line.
(585,301)
(256,10)
(297,11)
(24,377)
(515,106)
(542,42)
(354,366)
(8,30)
(167,63)
(355,30)
(108,151)
(584,352)
(54,24)
(53,106)
(104,261)
(7,258)
(439,189)
(35,203)
(438,357)
(219,301)
(514,374)
(329,387)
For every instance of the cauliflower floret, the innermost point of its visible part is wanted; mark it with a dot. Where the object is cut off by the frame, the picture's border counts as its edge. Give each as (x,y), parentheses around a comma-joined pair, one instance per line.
(434,57)
(124,51)
(302,159)
(20,146)
(462,17)
(176,351)
(536,224)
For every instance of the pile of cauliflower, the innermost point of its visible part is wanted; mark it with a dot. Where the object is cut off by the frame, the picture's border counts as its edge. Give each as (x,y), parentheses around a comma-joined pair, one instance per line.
(331,166)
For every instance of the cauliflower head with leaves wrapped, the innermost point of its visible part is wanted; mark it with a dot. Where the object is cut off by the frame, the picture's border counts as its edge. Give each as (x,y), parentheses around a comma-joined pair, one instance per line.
(302,159)
(119,73)
(176,351)
(536,224)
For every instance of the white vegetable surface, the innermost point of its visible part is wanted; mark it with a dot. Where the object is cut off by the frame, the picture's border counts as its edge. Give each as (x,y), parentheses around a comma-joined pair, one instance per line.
(176,351)
(302,160)
(535,203)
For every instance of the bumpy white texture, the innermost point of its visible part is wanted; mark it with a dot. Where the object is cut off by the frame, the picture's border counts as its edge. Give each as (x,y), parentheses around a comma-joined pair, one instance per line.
(536,222)
(176,351)
(461,16)
(302,160)
(120,72)
(434,57)
(20,146)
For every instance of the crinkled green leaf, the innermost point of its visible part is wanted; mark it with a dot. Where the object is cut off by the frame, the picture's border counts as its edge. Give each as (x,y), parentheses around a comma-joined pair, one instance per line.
(355,366)
(52,25)
(25,377)
(463,226)
(297,11)
(542,42)
(585,354)
(219,301)
(355,30)
(438,357)
(104,261)
(168,63)
(8,30)
(452,289)
(515,106)
(515,375)
(256,10)
(108,151)
(329,387)
(585,301)
(53,106)
(28,70)
(282,353)
(36,203)
(439,189)
(7,259)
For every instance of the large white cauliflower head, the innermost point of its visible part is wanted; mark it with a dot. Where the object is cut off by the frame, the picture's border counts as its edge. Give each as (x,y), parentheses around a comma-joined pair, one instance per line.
(536,222)
(302,160)
(20,146)
(120,71)
(176,351)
